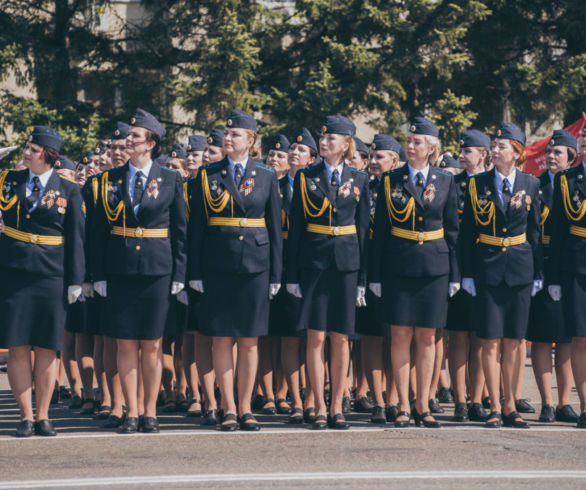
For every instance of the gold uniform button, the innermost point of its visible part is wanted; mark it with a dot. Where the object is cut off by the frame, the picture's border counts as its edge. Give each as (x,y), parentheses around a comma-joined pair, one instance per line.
(138,247)
(335,210)
(504,249)
(504,230)
(243,222)
(240,237)
(28,216)
(420,218)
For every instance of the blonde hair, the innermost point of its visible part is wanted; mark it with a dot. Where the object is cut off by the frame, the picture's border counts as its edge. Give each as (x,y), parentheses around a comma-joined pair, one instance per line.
(437,147)
(351,147)
(254,151)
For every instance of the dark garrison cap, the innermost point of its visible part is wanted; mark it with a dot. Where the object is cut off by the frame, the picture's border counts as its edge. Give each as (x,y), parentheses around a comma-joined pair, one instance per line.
(338,125)
(178,151)
(563,138)
(143,119)
(242,120)
(196,142)
(386,142)
(64,163)
(421,125)
(121,131)
(46,136)
(448,161)
(304,137)
(473,137)
(101,147)
(216,138)
(509,131)
(360,146)
(87,157)
(280,143)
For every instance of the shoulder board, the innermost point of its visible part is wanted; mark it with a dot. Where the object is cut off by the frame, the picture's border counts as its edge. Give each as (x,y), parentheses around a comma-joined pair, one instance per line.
(211,166)
(443,172)
(571,170)
(355,170)
(392,173)
(169,170)
(70,180)
(265,167)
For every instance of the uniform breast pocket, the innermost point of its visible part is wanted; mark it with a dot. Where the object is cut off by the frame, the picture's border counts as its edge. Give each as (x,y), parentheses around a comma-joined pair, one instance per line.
(262,240)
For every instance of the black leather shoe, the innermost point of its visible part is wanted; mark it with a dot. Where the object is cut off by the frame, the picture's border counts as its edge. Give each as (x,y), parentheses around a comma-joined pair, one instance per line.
(486,402)
(45,428)
(319,423)
(90,409)
(582,421)
(249,423)
(211,417)
(113,422)
(461,413)
(76,402)
(272,410)
(419,419)
(522,405)
(445,395)
(402,423)
(338,421)
(283,407)
(296,416)
(130,426)
(229,423)
(150,425)
(363,405)
(514,420)
(493,421)
(346,405)
(309,415)
(547,414)
(566,414)
(104,412)
(391,413)
(378,416)
(26,428)
(477,413)
(434,406)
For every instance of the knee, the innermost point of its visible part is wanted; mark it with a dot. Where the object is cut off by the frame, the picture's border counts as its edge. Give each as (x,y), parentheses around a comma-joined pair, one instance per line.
(338,341)
(425,337)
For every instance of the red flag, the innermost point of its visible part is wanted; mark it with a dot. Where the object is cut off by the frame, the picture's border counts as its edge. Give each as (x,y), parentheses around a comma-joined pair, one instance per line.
(535,163)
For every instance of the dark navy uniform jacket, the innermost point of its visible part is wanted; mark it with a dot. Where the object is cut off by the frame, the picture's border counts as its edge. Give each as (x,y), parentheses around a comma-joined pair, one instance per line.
(568,251)
(235,249)
(349,205)
(435,209)
(490,264)
(90,193)
(286,194)
(60,213)
(162,206)
(546,201)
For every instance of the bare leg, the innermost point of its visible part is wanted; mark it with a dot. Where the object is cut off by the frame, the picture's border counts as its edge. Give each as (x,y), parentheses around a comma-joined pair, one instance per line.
(20,376)
(563,372)
(112,376)
(84,351)
(542,369)
(316,368)
(401,360)
(458,349)
(425,339)
(373,358)
(152,370)
(339,361)
(492,371)
(579,369)
(246,368)
(45,374)
(128,363)
(223,361)
(511,365)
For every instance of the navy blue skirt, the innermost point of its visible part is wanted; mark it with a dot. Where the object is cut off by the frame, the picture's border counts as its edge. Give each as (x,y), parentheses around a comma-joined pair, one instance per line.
(546,320)
(461,312)
(137,306)
(32,309)
(284,310)
(574,303)
(77,317)
(367,318)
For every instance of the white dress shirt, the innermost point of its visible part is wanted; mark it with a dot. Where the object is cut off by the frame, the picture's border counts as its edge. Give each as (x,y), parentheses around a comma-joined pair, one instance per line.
(43,178)
(330,170)
(132,171)
(413,174)
(498,177)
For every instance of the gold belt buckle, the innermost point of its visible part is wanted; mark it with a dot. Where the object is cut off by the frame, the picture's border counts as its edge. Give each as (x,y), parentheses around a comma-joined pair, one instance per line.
(138,233)
(336,231)
(34,238)
(506,242)
(420,237)
(243,222)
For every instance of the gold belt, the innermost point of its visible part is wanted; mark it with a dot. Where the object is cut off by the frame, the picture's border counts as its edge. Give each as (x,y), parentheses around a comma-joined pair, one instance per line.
(332,230)
(239,222)
(502,242)
(546,239)
(417,236)
(140,232)
(578,231)
(33,238)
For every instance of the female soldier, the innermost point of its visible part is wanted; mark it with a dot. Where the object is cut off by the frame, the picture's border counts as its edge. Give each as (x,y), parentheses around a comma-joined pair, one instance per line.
(568,265)
(501,262)
(415,234)
(139,261)
(196,145)
(384,157)
(546,317)
(235,260)
(41,252)
(464,348)
(326,260)
(214,150)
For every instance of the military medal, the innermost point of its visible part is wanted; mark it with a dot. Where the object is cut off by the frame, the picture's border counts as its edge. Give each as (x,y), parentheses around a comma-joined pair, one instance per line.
(62,205)
(247,186)
(429,194)
(312,185)
(214,184)
(49,199)
(517,199)
(153,189)
(344,189)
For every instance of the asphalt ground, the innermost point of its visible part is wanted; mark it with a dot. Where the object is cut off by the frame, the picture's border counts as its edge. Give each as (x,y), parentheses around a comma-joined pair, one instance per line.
(187,455)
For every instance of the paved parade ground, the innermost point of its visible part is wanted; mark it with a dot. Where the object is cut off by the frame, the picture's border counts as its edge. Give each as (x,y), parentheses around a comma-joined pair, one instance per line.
(185,455)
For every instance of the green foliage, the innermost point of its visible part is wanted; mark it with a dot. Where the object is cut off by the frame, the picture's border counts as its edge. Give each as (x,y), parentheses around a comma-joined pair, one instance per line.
(452,115)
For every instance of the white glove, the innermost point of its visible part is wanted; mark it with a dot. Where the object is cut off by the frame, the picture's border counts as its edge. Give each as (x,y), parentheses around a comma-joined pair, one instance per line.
(87,289)
(183,297)
(360,296)
(176,287)
(295,290)
(537,286)
(73,293)
(273,290)
(468,286)
(101,288)
(376,289)
(555,291)
(453,288)
(197,285)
